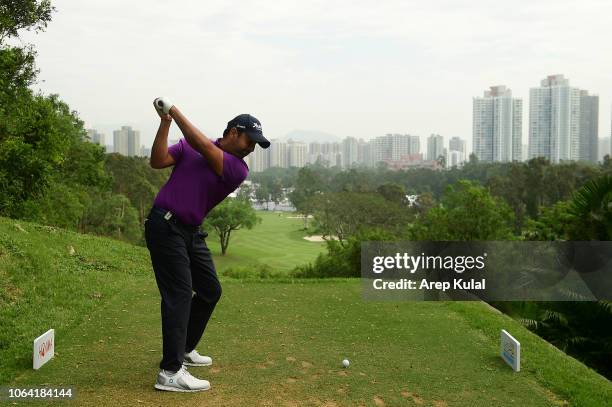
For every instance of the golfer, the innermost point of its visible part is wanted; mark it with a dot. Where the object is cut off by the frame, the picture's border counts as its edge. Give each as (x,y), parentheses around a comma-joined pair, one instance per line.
(204,173)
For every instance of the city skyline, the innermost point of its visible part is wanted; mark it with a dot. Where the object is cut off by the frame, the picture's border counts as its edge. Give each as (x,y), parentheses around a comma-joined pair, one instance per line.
(524,113)
(398,151)
(562,123)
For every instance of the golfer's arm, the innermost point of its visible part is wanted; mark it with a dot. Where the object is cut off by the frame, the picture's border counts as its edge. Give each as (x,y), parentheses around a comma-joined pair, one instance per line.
(159,151)
(197,140)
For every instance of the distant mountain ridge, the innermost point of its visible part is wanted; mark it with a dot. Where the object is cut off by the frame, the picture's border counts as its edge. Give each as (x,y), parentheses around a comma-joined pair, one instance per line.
(311,136)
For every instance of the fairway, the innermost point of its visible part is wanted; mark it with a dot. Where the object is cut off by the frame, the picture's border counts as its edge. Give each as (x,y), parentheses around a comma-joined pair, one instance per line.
(277,241)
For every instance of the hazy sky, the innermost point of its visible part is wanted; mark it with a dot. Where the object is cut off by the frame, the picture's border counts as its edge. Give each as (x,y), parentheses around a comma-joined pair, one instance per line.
(350,68)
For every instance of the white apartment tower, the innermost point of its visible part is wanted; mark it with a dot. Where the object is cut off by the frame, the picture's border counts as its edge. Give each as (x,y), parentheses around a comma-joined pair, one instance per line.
(497,120)
(350,152)
(258,160)
(414,144)
(456,152)
(554,120)
(456,144)
(120,141)
(127,141)
(296,154)
(393,147)
(277,154)
(435,147)
(364,153)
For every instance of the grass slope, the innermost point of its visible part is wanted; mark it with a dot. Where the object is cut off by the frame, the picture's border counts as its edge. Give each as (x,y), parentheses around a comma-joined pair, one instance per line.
(272,343)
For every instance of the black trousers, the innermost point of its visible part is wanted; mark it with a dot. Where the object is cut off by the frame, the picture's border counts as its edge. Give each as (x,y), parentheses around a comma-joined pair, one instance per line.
(182,262)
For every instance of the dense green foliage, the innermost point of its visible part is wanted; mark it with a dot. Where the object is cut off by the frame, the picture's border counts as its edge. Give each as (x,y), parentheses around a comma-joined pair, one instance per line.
(48,172)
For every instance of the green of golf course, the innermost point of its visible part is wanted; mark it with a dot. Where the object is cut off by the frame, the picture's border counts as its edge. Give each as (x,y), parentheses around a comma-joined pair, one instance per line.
(273,342)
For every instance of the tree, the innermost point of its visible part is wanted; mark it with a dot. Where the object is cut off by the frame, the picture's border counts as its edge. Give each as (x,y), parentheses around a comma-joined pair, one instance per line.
(48,173)
(587,216)
(353,181)
(61,205)
(466,212)
(37,132)
(592,209)
(307,185)
(130,179)
(113,215)
(276,191)
(244,192)
(392,192)
(39,135)
(17,70)
(552,224)
(30,15)
(344,214)
(230,215)
(513,189)
(262,195)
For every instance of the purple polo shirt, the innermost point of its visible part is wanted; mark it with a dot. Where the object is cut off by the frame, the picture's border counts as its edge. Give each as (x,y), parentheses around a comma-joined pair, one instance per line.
(193,188)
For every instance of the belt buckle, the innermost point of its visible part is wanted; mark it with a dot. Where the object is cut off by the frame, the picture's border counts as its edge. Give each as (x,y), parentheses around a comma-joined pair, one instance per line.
(168,215)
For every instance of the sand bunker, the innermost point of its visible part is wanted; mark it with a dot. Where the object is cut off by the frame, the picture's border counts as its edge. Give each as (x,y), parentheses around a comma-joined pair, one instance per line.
(318,238)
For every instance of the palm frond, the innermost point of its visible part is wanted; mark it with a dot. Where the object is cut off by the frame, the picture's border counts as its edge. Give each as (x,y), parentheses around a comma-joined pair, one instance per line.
(529,323)
(556,316)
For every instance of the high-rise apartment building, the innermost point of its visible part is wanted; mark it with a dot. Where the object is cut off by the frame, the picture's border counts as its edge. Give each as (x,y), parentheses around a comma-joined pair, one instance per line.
(127,141)
(435,147)
(350,152)
(497,120)
(554,120)
(589,127)
(456,152)
(296,154)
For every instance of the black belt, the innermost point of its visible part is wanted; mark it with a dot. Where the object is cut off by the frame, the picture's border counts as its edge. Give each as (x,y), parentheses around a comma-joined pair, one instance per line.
(171,217)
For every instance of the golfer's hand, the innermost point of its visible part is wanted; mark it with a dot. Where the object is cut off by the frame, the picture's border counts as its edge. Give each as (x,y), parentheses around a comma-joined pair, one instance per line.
(165,117)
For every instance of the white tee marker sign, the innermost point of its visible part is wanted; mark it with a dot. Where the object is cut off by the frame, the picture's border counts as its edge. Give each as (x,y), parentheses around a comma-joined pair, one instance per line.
(510,350)
(44,348)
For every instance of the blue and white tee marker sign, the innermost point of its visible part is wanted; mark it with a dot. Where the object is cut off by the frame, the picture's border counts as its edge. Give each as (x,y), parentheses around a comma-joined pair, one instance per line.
(510,350)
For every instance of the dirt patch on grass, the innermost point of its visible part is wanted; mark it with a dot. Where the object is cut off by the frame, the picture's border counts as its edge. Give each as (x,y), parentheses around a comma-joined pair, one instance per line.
(378,401)
(415,397)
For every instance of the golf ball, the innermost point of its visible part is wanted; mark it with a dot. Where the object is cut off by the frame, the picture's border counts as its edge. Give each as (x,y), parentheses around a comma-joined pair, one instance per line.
(346,363)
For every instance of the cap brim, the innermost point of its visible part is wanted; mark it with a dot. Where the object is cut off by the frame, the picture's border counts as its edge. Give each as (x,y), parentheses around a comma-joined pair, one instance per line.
(259,139)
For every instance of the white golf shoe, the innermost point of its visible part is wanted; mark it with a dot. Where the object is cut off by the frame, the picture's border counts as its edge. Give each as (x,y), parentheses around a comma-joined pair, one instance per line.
(180,381)
(193,358)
